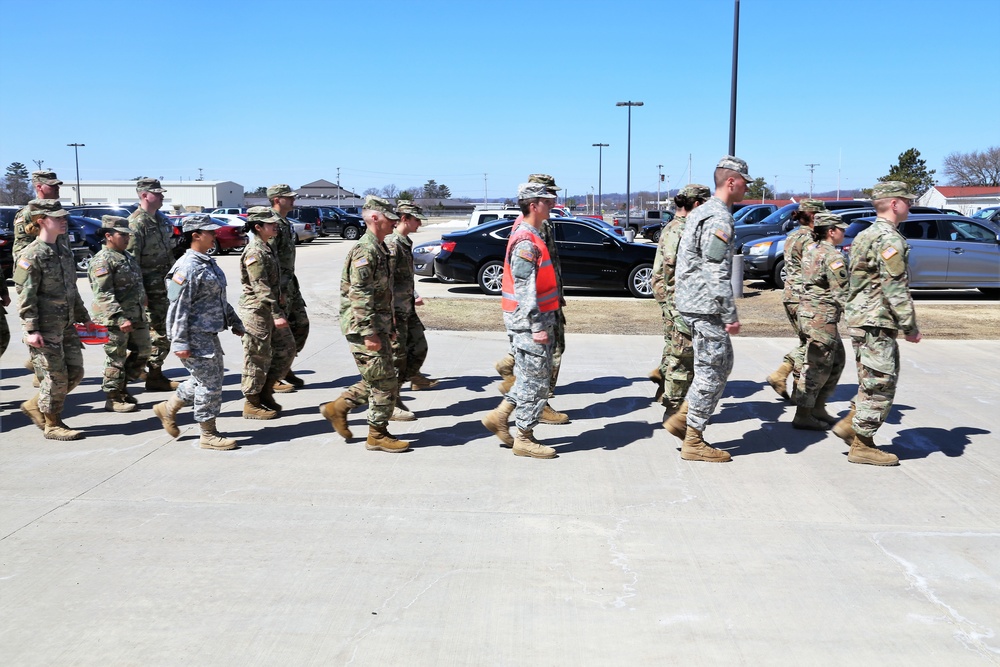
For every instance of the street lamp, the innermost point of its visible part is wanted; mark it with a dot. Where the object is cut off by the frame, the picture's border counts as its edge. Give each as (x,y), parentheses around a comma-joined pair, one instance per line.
(76,154)
(628,168)
(600,148)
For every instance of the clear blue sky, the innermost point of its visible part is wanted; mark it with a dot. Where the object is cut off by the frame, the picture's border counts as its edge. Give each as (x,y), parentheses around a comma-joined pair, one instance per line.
(402,92)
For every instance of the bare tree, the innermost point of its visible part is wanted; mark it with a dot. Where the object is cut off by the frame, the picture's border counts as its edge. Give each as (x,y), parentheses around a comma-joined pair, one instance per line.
(371,191)
(974,168)
(390,191)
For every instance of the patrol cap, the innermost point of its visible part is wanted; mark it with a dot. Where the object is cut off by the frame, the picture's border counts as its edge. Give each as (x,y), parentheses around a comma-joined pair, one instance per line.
(149,185)
(46,208)
(44,177)
(200,222)
(281,190)
(811,205)
(828,219)
(546,180)
(115,223)
(890,189)
(261,214)
(695,191)
(409,208)
(533,191)
(737,165)
(373,203)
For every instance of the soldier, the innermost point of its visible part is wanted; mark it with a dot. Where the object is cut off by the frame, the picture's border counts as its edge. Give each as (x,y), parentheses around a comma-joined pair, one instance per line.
(46,186)
(795,244)
(196,289)
(119,304)
(704,297)
(505,367)
(268,346)
(823,287)
(152,245)
(676,370)
(4,328)
(530,302)
(409,349)
(45,279)
(282,200)
(879,305)
(366,321)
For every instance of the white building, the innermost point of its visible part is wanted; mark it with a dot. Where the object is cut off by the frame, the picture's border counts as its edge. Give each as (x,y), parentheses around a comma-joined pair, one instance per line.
(179,195)
(966,200)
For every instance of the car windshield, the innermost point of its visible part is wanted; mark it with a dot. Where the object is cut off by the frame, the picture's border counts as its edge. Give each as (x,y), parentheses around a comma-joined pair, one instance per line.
(984,213)
(781,215)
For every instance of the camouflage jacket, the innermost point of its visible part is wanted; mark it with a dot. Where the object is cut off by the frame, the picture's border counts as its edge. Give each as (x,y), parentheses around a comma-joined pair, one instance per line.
(665,261)
(366,290)
(284,250)
(198,308)
(527,317)
(152,245)
(824,279)
(22,238)
(401,267)
(879,291)
(116,282)
(260,302)
(45,279)
(705,263)
(795,245)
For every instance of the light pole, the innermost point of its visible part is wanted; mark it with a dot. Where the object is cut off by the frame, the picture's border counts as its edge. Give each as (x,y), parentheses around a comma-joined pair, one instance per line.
(600,198)
(659,178)
(76,154)
(628,167)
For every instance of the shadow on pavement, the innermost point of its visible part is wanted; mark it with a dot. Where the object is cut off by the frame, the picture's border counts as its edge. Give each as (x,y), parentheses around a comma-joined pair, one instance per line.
(919,443)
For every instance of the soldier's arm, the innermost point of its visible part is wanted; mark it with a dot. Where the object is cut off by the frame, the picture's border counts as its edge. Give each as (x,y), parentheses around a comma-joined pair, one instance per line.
(362,293)
(896,284)
(716,243)
(181,307)
(136,240)
(836,271)
(102,284)
(657,280)
(257,273)
(524,269)
(27,278)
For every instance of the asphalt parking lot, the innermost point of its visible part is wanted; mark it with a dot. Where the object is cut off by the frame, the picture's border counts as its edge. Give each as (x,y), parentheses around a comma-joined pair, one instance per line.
(129,547)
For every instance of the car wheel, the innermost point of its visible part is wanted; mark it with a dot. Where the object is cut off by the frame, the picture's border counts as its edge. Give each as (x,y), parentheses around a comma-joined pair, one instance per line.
(351,233)
(215,249)
(656,236)
(778,277)
(491,277)
(640,281)
(83,263)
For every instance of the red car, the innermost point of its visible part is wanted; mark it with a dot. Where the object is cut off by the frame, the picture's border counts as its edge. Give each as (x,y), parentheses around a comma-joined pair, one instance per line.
(228,236)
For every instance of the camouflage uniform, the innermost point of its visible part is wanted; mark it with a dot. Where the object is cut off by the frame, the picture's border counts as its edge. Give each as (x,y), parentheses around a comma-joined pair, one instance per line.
(45,279)
(532,360)
(704,297)
(366,310)
(198,312)
(677,362)
(152,246)
(268,351)
(823,290)
(878,306)
(295,305)
(24,232)
(795,245)
(4,328)
(409,349)
(116,282)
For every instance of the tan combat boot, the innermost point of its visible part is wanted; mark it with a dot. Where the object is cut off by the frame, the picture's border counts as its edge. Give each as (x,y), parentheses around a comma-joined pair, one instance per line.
(696,449)
(401,414)
(656,377)
(211,439)
(676,424)
(335,412)
(116,402)
(56,430)
(282,387)
(863,450)
(294,380)
(267,397)
(526,445)
(379,439)
(805,420)
(505,367)
(779,379)
(167,412)
(820,413)
(30,408)
(418,382)
(496,421)
(254,409)
(157,381)
(550,416)
(844,429)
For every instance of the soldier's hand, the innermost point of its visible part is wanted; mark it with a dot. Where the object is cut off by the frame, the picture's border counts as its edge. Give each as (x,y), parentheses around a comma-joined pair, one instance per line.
(418,301)
(914,338)
(540,337)
(733,329)
(239,331)
(373,343)
(281,323)
(6,299)
(126,326)
(183,354)
(34,340)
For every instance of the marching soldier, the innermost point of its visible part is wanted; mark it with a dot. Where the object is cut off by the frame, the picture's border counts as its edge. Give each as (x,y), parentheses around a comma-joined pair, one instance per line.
(282,200)
(46,186)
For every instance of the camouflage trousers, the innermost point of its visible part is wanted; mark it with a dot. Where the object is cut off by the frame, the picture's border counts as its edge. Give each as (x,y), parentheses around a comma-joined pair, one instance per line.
(59,366)
(796,357)
(532,378)
(4,332)
(825,353)
(409,349)
(558,341)
(266,359)
(156,312)
(713,362)
(877,355)
(378,385)
(125,355)
(677,361)
(298,320)
(204,387)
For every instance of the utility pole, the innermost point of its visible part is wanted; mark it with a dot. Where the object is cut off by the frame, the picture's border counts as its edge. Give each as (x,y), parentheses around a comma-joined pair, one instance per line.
(659,179)
(628,164)
(600,196)
(39,163)
(812,167)
(775,187)
(76,154)
(486,189)
(338,187)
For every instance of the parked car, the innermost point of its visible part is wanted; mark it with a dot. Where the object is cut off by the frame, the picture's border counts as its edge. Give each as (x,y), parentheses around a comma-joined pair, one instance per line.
(780,221)
(423,260)
(242,210)
(639,220)
(991,213)
(653,231)
(305,232)
(485,215)
(7,214)
(589,256)
(96,211)
(751,214)
(349,225)
(330,220)
(227,238)
(85,238)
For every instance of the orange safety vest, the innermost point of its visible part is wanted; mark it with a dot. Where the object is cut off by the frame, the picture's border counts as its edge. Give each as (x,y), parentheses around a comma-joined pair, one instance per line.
(546,288)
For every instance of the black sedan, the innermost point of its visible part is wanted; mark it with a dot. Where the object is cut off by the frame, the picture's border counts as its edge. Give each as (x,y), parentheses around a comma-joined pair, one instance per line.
(589,257)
